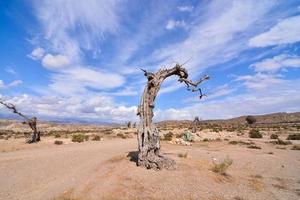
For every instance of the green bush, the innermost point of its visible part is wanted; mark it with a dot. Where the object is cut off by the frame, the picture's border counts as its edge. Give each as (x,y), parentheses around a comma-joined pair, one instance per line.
(274,136)
(188,137)
(293,137)
(79,137)
(250,119)
(255,134)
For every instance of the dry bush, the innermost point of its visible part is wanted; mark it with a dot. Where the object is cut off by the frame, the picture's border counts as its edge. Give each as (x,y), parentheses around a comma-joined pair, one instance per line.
(79,137)
(255,134)
(274,136)
(182,155)
(96,138)
(281,142)
(296,147)
(222,167)
(57,135)
(121,135)
(250,119)
(168,136)
(253,146)
(58,142)
(293,137)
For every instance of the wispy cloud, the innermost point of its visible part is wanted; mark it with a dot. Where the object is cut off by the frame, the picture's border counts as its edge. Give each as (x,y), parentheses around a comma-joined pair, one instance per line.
(286,31)
(277,63)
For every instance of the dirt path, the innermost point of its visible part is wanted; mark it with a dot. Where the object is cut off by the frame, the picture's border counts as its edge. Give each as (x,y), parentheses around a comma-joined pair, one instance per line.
(102,170)
(38,173)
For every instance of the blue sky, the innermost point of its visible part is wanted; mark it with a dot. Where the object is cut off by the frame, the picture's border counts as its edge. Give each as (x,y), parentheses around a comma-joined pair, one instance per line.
(80,60)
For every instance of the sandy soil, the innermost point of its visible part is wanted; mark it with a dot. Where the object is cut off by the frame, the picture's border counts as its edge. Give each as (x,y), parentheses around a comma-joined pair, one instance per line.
(105,170)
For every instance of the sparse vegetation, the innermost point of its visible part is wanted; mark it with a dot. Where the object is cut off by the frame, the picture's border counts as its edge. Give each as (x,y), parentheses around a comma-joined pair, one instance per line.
(293,137)
(253,146)
(121,135)
(168,136)
(253,133)
(281,142)
(296,147)
(274,136)
(188,137)
(57,135)
(221,168)
(250,119)
(79,137)
(58,142)
(182,155)
(96,138)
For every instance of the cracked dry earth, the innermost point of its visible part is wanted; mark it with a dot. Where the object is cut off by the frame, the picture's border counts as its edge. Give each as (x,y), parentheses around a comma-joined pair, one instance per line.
(105,170)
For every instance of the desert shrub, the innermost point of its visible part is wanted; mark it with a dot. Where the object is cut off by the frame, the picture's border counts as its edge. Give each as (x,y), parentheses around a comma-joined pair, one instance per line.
(255,134)
(233,142)
(293,137)
(253,146)
(222,167)
(96,138)
(274,136)
(188,137)
(168,136)
(296,147)
(281,142)
(182,155)
(86,137)
(250,119)
(121,135)
(205,140)
(58,142)
(79,137)
(57,135)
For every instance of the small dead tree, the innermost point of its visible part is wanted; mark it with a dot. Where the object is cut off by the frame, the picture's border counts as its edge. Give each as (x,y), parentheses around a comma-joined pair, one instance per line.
(149,154)
(31,122)
(194,124)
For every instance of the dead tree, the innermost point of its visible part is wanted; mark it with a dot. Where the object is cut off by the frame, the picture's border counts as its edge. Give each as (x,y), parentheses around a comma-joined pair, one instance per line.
(194,124)
(149,154)
(31,122)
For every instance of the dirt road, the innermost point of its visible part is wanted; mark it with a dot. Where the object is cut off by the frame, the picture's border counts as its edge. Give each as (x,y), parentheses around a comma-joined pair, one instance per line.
(39,173)
(102,170)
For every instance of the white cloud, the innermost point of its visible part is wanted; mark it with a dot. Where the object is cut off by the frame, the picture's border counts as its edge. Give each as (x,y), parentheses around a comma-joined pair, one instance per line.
(10,70)
(69,28)
(216,39)
(185,8)
(277,63)
(55,61)
(91,107)
(286,31)
(172,24)
(10,85)
(80,79)
(37,54)
(282,97)
(15,83)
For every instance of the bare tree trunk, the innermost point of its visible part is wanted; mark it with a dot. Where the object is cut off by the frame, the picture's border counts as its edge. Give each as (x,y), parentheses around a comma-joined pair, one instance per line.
(35,137)
(148,136)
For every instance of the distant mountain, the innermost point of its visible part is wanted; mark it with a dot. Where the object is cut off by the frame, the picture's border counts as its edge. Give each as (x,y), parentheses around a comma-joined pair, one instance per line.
(273,118)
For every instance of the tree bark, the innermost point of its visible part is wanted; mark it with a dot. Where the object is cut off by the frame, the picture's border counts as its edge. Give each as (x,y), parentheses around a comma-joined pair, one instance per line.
(149,155)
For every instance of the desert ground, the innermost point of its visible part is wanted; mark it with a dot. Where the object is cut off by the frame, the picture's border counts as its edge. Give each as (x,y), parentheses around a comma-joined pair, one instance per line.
(106,168)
